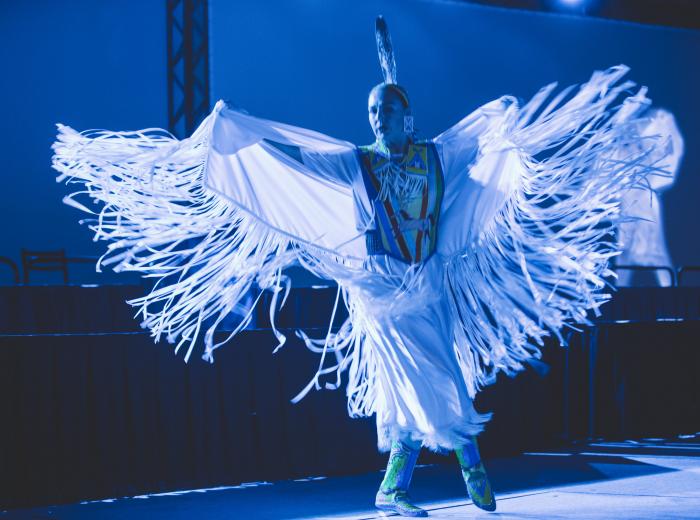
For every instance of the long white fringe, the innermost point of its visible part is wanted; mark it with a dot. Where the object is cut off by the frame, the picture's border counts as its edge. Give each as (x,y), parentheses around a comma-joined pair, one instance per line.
(162,222)
(394,180)
(541,265)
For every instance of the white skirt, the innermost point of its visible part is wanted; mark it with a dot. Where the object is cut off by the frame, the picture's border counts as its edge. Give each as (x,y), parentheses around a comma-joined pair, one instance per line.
(420,391)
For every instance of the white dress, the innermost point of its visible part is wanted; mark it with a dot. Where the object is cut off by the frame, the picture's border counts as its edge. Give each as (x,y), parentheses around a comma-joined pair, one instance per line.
(530,195)
(641,237)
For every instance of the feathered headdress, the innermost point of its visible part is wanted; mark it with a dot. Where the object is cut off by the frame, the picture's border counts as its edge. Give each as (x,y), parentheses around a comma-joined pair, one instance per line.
(387,62)
(385,50)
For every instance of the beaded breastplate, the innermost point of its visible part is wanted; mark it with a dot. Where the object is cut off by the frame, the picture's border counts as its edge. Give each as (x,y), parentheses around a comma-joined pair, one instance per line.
(406,193)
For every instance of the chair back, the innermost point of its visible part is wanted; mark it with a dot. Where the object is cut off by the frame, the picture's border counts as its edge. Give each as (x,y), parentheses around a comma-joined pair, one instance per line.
(13,266)
(44,261)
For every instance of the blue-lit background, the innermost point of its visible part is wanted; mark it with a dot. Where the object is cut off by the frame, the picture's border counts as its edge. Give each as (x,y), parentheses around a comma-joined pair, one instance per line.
(93,409)
(310,63)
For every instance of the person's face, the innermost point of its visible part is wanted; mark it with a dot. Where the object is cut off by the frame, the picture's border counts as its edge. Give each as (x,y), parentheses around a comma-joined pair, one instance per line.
(386,113)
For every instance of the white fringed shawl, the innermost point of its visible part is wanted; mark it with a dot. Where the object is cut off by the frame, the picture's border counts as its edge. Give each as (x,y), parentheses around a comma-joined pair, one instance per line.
(539,262)
(532,196)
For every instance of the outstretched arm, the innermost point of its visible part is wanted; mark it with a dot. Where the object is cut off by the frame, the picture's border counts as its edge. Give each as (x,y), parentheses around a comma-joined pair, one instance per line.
(314,154)
(215,214)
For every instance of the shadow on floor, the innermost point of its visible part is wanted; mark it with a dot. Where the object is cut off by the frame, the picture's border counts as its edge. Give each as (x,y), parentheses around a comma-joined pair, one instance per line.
(353,496)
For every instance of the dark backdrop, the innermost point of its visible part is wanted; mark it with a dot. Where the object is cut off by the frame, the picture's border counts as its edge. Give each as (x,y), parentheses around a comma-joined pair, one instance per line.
(309,63)
(312,63)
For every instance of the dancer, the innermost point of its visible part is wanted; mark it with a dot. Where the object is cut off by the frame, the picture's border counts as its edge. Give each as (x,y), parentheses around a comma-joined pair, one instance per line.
(641,234)
(454,256)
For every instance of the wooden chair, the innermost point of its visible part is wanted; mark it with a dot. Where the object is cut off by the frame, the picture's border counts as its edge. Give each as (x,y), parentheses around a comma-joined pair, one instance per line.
(52,261)
(55,261)
(13,266)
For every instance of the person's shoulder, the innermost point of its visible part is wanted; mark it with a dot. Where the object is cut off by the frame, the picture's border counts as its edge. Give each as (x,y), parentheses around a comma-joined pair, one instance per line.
(427,144)
(370,150)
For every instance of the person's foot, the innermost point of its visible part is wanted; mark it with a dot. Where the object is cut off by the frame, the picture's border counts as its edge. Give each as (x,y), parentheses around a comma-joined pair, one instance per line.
(479,487)
(398,502)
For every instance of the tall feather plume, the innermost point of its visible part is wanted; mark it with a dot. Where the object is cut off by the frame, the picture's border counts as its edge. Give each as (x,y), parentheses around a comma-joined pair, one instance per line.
(385,50)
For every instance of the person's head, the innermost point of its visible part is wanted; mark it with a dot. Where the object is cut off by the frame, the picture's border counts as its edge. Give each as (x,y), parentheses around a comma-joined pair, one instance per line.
(388,107)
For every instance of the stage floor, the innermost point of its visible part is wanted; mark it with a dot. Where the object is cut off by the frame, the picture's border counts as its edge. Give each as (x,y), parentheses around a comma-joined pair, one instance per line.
(650,479)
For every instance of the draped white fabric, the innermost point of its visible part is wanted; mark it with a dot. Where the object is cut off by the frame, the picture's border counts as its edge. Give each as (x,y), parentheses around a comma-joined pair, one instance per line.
(531,197)
(641,234)
(312,201)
